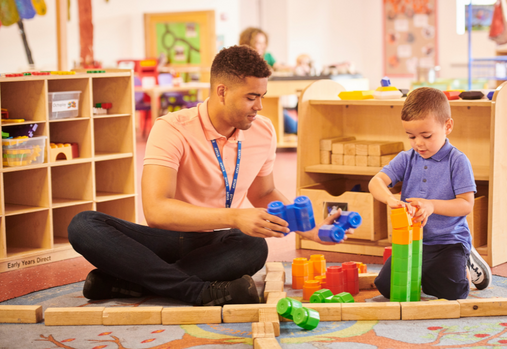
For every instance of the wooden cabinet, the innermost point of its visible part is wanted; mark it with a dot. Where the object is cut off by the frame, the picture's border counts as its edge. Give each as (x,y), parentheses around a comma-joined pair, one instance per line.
(479,132)
(38,200)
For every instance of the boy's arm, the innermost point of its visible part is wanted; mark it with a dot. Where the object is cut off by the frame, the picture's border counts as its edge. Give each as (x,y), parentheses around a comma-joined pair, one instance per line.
(462,205)
(378,187)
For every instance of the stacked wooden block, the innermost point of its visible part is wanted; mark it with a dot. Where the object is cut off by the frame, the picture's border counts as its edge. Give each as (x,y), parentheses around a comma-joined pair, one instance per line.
(348,151)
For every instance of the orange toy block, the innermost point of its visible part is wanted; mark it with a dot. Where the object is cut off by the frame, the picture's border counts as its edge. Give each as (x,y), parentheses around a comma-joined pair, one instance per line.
(300,272)
(318,264)
(402,236)
(309,288)
(400,218)
(63,151)
(417,232)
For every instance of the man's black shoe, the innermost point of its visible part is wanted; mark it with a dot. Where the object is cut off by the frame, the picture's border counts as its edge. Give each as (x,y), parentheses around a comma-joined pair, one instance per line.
(239,291)
(99,285)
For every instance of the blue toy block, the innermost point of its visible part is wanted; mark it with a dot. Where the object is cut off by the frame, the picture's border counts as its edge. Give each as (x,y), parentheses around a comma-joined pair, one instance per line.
(336,232)
(490,95)
(385,82)
(299,215)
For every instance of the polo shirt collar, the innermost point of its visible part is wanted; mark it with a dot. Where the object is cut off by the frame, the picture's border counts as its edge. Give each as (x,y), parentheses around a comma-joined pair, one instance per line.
(443,152)
(210,131)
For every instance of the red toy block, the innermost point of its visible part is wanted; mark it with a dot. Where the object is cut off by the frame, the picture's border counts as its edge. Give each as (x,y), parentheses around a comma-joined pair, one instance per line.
(13,75)
(334,279)
(107,105)
(351,277)
(388,251)
(451,95)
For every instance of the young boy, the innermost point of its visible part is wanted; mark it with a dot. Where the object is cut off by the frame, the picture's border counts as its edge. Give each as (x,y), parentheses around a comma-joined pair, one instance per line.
(438,190)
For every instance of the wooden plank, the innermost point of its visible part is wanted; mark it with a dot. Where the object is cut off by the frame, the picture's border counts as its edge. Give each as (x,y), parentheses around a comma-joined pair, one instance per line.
(349,160)
(73,316)
(337,159)
(274,297)
(327,311)
(243,312)
(385,148)
(339,147)
(371,311)
(483,307)
(273,286)
(266,343)
(270,315)
(262,330)
(191,315)
(327,144)
(20,314)
(363,146)
(275,276)
(367,281)
(325,157)
(132,316)
(430,310)
(274,266)
(349,148)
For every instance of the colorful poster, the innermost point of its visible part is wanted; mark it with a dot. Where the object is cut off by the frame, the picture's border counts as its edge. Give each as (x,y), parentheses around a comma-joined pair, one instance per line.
(180,42)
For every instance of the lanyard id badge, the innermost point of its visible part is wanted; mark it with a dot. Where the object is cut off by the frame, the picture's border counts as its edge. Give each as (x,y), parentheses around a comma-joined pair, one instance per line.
(229,190)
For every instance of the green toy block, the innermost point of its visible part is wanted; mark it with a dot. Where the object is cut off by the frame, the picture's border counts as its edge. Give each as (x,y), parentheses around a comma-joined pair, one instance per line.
(306,318)
(399,294)
(344,297)
(286,306)
(402,251)
(401,264)
(321,295)
(400,278)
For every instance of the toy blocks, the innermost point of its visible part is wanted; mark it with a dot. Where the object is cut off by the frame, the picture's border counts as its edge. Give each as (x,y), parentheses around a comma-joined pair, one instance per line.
(385,81)
(452,95)
(299,215)
(336,231)
(286,307)
(334,279)
(300,272)
(309,288)
(406,258)
(21,314)
(293,310)
(355,95)
(386,91)
(63,151)
(326,296)
(102,108)
(351,278)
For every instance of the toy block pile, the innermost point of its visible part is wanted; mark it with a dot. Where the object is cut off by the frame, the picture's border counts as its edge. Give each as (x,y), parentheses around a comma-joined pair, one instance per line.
(469,95)
(101,108)
(22,151)
(406,258)
(299,215)
(386,91)
(352,152)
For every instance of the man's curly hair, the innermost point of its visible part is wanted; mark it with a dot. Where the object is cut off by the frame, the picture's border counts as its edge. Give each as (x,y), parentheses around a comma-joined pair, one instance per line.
(236,63)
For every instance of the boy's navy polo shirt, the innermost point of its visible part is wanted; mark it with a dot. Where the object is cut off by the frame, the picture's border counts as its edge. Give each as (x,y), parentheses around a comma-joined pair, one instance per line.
(441,177)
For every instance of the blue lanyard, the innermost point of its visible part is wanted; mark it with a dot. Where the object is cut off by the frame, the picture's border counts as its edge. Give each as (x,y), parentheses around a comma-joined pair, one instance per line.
(229,192)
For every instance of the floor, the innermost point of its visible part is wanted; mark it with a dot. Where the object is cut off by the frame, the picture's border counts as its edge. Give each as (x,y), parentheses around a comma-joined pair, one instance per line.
(23,281)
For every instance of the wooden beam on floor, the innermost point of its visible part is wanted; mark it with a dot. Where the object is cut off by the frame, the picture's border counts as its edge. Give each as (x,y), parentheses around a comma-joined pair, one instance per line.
(371,311)
(430,310)
(191,315)
(20,314)
(483,307)
(243,312)
(73,316)
(132,316)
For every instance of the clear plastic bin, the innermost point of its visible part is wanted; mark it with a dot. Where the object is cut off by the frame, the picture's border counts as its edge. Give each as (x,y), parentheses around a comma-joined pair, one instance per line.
(63,105)
(23,151)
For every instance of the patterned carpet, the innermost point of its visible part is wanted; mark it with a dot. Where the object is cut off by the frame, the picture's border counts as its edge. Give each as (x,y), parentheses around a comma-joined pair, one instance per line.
(483,332)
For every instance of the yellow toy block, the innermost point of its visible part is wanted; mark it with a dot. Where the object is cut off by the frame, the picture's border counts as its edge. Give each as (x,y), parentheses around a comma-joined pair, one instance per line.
(400,218)
(402,236)
(60,150)
(386,88)
(355,95)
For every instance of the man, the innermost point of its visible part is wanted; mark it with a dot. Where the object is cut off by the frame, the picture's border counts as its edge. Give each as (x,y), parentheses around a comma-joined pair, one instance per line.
(202,164)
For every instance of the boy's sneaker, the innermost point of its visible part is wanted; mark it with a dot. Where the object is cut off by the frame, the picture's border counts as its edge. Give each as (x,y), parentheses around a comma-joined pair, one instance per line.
(480,272)
(99,285)
(239,291)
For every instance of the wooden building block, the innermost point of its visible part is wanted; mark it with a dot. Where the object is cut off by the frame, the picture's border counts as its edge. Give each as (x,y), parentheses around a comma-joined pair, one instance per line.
(385,159)
(371,311)
(262,330)
(362,160)
(132,316)
(373,160)
(274,297)
(275,276)
(20,314)
(327,144)
(243,312)
(367,281)
(191,315)
(339,147)
(327,311)
(273,286)
(362,147)
(349,160)
(266,343)
(337,159)
(274,266)
(325,157)
(385,148)
(349,148)
(270,315)
(73,316)
(483,307)
(440,309)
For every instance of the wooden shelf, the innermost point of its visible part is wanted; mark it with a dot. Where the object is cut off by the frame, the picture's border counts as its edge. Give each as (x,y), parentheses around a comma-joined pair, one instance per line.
(479,132)
(40,200)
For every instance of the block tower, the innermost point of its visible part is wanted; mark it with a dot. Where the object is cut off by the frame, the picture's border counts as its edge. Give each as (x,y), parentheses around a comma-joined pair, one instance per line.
(406,258)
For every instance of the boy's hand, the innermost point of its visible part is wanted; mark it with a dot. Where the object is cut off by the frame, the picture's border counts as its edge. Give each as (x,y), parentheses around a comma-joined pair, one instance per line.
(314,233)
(395,203)
(425,209)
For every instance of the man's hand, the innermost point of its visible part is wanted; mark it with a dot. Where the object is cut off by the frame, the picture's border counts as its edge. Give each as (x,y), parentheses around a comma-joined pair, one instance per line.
(314,233)
(425,208)
(259,223)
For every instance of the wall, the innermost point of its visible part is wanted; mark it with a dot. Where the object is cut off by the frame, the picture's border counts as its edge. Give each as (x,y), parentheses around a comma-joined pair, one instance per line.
(118,31)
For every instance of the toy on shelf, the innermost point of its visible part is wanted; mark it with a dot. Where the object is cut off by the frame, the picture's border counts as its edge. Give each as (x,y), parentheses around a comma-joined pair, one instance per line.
(13,121)
(406,258)
(14,75)
(102,108)
(386,91)
(471,95)
(490,95)
(63,151)
(299,215)
(23,151)
(5,113)
(26,130)
(336,231)
(355,95)
(95,71)
(452,95)
(58,72)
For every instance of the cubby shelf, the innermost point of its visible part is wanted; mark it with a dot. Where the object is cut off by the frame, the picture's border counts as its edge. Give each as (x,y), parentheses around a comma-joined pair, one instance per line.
(38,201)
(479,132)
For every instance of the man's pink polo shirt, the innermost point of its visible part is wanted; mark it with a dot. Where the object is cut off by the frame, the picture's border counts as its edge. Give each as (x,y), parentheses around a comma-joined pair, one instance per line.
(182,140)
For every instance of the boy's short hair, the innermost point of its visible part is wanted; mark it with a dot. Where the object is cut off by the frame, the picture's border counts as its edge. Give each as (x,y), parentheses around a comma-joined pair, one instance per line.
(423,101)
(235,63)
(247,36)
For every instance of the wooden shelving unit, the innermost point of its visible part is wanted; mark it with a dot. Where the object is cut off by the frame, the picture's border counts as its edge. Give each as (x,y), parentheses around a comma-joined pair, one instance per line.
(479,132)
(38,201)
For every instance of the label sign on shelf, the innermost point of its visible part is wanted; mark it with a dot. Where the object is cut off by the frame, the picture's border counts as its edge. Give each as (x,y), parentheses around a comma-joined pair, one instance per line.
(65,105)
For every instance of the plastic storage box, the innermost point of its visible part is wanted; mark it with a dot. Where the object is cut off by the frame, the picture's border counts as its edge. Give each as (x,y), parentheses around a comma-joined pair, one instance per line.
(63,104)
(23,151)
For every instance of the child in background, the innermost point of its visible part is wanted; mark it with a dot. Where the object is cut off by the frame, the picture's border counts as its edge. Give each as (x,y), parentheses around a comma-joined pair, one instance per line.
(438,190)
(258,40)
